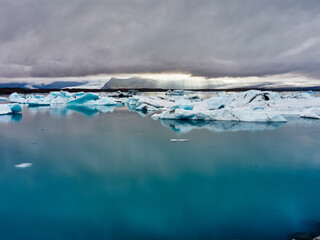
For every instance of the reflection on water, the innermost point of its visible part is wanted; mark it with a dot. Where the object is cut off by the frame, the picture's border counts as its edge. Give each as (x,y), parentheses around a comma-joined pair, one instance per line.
(10,118)
(118,176)
(60,110)
(89,111)
(218,126)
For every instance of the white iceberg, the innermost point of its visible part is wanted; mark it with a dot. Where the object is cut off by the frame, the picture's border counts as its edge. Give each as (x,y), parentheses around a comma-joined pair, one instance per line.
(311,113)
(238,115)
(105,101)
(23,165)
(5,109)
(157,102)
(242,99)
(183,104)
(39,100)
(3,99)
(179,140)
(17,98)
(146,108)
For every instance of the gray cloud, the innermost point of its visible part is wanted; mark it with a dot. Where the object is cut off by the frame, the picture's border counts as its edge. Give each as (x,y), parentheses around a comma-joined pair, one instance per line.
(212,38)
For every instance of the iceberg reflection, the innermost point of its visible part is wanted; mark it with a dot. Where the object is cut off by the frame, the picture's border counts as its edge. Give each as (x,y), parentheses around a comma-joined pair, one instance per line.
(16,117)
(88,111)
(183,126)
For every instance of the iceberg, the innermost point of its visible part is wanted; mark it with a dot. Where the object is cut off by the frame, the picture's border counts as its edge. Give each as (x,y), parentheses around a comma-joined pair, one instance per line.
(218,102)
(83,99)
(59,100)
(251,97)
(15,108)
(38,101)
(3,99)
(157,102)
(146,108)
(105,101)
(5,109)
(311,113)
(16,98)
(238,115)
(183,104)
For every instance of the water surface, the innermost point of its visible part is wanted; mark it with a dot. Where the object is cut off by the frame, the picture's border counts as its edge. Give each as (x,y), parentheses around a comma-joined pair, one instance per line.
(107,173)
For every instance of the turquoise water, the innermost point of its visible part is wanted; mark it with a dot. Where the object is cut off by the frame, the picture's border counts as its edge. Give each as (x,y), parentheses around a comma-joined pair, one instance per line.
(117,175)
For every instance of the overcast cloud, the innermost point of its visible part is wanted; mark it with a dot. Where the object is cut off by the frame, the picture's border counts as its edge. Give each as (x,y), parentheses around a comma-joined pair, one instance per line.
(211,38)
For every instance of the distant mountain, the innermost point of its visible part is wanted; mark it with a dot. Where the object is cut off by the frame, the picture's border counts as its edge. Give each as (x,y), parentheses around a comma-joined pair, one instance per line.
(138,83)
(53,85)
(13,85)
(59,84)
(130,83)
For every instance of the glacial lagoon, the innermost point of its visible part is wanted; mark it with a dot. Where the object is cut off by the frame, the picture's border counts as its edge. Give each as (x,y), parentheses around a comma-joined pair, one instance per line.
(111,173)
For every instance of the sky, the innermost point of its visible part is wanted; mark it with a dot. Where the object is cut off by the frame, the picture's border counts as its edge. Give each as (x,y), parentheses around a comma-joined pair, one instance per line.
(240,41)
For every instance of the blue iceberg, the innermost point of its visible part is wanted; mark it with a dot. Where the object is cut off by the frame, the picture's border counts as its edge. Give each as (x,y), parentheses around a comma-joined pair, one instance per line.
(83,99)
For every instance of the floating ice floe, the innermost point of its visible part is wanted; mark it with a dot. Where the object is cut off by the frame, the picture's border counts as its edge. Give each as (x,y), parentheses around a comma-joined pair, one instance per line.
(17,98)
(146,108)
(220,115)
(104,101)
(248,106)
(5,109)
(23,165)
(3,99)
(9,108)
(15,108)
(83,99)
(311,113)
(179,140)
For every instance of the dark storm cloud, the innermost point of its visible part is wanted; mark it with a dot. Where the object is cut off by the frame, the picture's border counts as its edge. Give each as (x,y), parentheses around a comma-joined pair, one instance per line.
(45,38)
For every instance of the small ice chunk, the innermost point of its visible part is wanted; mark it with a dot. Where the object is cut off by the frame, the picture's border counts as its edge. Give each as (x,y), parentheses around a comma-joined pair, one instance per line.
(15,108)
(23,165)
(179,140)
